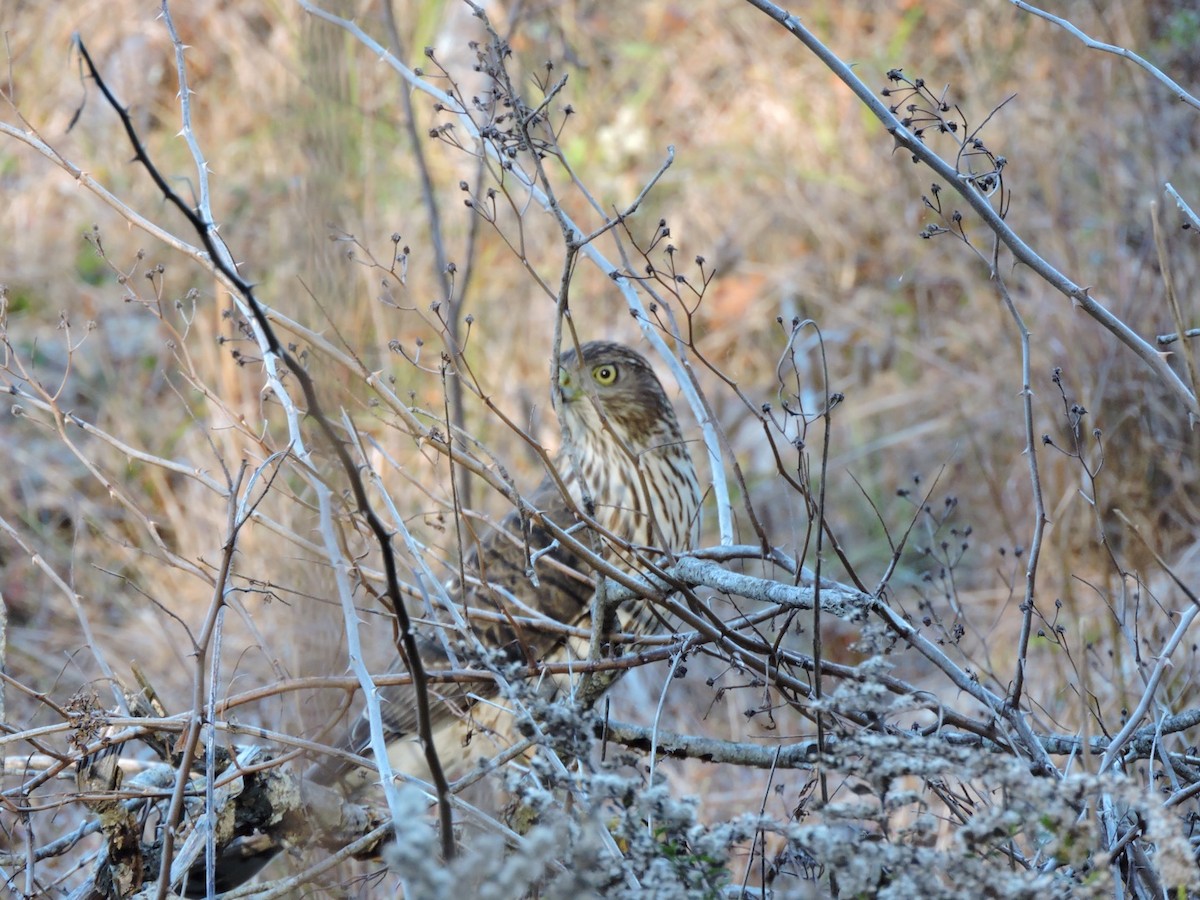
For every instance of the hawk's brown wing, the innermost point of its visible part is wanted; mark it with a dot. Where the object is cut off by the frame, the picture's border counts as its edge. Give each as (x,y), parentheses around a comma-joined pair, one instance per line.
(511,609)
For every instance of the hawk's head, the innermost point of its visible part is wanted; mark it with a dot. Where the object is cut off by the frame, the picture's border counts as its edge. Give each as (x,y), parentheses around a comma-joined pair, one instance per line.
(610,382)
(625,440)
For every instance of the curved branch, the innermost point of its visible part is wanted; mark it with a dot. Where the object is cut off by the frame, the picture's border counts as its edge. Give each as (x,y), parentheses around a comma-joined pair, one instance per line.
(1091,43)
(905,138)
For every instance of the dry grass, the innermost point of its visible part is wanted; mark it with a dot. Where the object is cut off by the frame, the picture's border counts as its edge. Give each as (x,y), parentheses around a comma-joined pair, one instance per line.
(781,181)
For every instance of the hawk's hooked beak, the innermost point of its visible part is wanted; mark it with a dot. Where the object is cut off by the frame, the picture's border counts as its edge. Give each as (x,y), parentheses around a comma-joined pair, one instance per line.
(569,389)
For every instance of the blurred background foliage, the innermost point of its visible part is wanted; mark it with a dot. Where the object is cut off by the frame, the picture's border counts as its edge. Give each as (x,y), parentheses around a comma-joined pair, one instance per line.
(782,181)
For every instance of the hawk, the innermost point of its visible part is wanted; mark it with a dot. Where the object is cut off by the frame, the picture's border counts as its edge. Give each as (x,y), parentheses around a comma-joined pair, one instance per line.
(625,465)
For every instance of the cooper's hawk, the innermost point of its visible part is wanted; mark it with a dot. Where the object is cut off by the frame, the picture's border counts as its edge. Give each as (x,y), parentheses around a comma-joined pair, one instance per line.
(625,465)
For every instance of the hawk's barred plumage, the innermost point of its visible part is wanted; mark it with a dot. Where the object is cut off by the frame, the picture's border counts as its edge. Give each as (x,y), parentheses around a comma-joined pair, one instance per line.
(626,464)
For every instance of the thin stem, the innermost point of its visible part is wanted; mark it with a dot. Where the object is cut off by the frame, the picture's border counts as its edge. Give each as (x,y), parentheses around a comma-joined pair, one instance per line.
(966,186)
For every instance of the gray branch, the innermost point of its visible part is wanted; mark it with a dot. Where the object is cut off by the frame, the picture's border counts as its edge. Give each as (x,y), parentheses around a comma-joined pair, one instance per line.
(979,202)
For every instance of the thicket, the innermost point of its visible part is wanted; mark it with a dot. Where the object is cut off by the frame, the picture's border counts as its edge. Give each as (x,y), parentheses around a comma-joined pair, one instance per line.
(282,285)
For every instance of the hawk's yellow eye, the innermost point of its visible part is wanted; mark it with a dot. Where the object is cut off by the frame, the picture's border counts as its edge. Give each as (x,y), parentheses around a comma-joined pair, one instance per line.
(605,375)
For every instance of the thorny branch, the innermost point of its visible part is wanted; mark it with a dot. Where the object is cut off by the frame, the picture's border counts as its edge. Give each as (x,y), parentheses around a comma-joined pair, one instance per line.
(966,185)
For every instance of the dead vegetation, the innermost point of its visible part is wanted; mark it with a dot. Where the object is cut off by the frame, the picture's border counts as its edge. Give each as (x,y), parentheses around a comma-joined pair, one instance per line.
(173,504)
